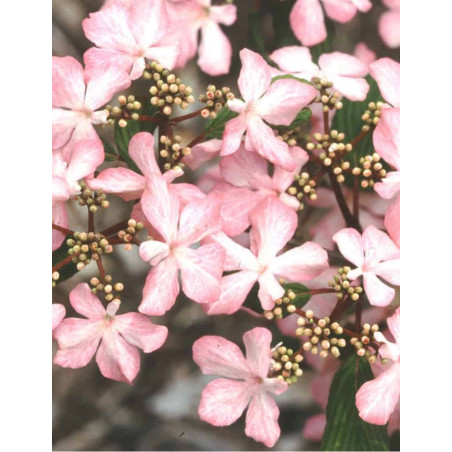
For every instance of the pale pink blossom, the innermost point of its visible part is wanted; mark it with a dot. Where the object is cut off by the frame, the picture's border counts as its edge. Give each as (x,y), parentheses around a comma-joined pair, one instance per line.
(78,97)
(246,382)
(126,35)
(308,21)
(377,399)
(272,225)
(113,338)
(277,103)
(375,256)
(364,53)
(202,153)
(58,313)
(201,268)
(346,72)
(78,160)
(389,24)
(188,18)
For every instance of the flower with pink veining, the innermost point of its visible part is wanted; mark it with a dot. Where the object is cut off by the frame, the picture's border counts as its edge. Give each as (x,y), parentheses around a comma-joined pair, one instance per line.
(126,35)
(346,72)
(113,338)
(201,268)
(277,103)
(375,255)
(225,399)
(272,225)
(77,97)
(377,399)
(308,21)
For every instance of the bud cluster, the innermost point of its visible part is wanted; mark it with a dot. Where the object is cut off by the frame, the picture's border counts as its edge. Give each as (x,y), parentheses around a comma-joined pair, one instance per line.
(323,337)
(371,169)
(87,246)
(167,90)
(133,227)
(286,364)
(333,151)
(292,136)
(361,344)
(111,291)
(303,186)
(372,115)
(329,100)
(282,304)
(215,99)
(172,151)
(128,109)
(341,284)
(92,199)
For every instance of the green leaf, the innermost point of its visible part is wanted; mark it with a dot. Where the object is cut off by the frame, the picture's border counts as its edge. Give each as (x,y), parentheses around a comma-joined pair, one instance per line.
(284,76)
(215,126)
(123,135)
(110,151)
(345,430)
(302,117)
(58,256)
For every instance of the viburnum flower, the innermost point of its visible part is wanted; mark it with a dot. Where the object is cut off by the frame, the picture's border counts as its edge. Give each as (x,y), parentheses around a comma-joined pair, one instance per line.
(58,313)
(225,399)
(277,103)
(375,255)
(308,22)
(377,399)
(127,35)
(346,72)
(201,268)
(187,18)
(272,225)
(70,164)
(118,335)
(389,24)
(77,98)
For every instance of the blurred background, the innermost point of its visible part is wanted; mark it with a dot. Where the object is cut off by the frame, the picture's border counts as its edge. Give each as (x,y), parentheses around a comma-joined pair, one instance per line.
(159,411)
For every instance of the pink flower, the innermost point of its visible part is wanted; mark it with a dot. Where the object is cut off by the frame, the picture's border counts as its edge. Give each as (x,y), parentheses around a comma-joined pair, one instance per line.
(201,269)
(272,226)
(77,97)
(374,254)
(308,22)
(389,24)
(70,164)
(188,18)
(346,72)
(277,103)
(58,313)
(127,35)
(377,399)
(225,399)
(118,335)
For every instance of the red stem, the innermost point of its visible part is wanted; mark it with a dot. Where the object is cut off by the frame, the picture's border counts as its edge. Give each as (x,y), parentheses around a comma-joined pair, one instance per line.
(61,229)
(61,264)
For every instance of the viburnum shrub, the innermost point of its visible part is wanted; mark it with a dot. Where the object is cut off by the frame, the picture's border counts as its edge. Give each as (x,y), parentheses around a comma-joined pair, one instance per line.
(292,214)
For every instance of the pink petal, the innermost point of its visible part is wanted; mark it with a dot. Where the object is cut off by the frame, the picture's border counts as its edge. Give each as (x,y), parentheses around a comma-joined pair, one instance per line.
(352,88)
(59,217)
(121,181)
(307,22)
(389,28)
(202,153)
(139,331)
(63,124)
(86,156)
(258,354)
(392,221)
(58,313)
(273,225)
(301,263)
(186,193)
(394,325)
(201,271)
(61,191)
(117,359)
(386,72)
(377,399)
(166,55)
(218,356)
(350,245)
(379,294)
(214,50)
(380,244)
(101,58)
(364,53)
(161,288)
(223,401)
(223,14)
(389,271)
(262,419)
(269,290)
(153,251)
(386,136)
(68,84)
(283,179)
(234,290)
(85,302)
(389,186)
(314,427)
(295,59)
(141,149)
(255,76)
(233,132)
(340,10)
